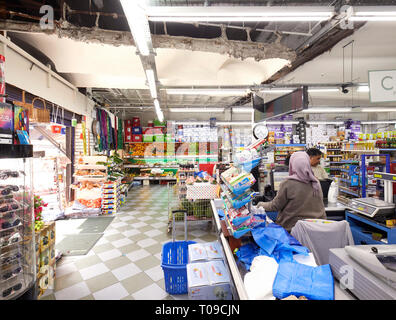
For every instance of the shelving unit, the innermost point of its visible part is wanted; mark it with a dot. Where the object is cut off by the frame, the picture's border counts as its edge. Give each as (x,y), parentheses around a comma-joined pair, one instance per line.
(282,150)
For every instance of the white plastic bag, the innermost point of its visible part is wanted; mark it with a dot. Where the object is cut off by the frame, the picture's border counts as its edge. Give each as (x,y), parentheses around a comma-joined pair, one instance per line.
(333,193)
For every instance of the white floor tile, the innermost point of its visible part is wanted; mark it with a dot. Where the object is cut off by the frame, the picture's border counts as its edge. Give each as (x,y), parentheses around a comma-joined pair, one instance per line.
(114,292)
(153,233)
(65,269)
(75,292)
(118,224)
(158,255)
(121,242)
(109,231)
(126,271)
(159,225)
(155,273)
(152,292)
(93,271)
(144,218)
(127,218)
(137,255)
(146,243)
(111,254)
(130,233)
(198,233)
(138,225)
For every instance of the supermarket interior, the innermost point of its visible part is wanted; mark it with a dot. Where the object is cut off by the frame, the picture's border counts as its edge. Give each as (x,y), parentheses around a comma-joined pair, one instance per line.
(197,150)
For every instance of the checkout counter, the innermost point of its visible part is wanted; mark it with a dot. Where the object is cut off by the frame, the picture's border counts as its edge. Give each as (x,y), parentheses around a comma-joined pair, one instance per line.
(237,270)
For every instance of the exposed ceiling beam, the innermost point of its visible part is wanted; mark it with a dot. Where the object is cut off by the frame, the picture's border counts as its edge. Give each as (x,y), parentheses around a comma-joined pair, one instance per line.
(236,49)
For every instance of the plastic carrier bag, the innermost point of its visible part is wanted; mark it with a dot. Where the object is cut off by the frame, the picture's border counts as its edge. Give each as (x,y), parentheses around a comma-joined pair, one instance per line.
(277,243)
(314,283)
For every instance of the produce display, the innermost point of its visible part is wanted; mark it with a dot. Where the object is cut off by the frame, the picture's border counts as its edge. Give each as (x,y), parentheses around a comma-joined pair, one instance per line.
(90,173)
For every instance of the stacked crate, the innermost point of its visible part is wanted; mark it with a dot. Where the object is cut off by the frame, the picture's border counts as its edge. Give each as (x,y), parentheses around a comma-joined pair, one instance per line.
(45,258)
(111,196)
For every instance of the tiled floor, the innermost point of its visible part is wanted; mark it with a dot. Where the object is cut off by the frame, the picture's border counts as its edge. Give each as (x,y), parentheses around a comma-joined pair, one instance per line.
(125,263)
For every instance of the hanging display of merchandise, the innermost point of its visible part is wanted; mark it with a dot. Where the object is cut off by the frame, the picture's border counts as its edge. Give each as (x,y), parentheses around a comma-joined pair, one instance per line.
(120,136)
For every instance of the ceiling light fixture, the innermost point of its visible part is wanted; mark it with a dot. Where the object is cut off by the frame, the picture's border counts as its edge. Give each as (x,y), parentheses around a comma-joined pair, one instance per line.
(197,110)
(375,109)
(209,92)
(242,13)
(158,110)
(326,110)
(242,110)
(151,83)
(379,122)
(234,123)
(324,90)
(138,24)
(276,90)
(363,89)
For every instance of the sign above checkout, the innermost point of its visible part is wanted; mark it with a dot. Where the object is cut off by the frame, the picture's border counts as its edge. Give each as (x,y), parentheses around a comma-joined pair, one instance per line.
(382,86)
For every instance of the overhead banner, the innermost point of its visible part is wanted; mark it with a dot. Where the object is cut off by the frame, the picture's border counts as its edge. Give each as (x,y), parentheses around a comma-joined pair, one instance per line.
(382,86)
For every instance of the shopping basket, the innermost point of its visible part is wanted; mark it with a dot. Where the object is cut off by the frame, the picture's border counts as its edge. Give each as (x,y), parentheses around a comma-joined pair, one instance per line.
(175,259)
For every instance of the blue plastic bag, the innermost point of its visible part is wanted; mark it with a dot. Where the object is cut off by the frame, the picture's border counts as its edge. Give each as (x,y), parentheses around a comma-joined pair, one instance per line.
(276,242)
(314,283)
(247,253)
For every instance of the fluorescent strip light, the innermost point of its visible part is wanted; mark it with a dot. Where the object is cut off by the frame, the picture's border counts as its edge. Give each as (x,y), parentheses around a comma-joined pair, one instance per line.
(325,122)
(151,83)
(196,110)
(319,90)
(285,123)
(326,110)
(236,123)
(276,90)
(193,123)
(363,89)
(375,109)
(138,24)
(209,92)
(379,122)
(158,110)
(378,19)
(242,110)
(238,19)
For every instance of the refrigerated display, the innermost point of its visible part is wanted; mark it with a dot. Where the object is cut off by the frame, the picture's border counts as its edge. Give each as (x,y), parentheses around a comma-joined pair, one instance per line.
(17,253)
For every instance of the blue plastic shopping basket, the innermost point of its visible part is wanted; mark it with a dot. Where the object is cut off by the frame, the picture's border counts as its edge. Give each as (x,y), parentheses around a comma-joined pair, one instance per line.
(175,259)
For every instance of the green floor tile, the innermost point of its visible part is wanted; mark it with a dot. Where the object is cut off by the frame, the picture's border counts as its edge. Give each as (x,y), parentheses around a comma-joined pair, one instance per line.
(67,280)
(102,281)
(137,282)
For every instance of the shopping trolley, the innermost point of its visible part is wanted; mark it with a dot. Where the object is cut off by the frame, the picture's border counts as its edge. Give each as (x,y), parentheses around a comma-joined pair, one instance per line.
(183,207)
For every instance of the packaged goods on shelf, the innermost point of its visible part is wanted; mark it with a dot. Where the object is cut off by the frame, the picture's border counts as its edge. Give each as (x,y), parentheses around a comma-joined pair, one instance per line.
(208,281)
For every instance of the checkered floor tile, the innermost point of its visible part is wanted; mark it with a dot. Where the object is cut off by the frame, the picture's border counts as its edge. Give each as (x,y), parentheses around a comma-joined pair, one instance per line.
(125,263)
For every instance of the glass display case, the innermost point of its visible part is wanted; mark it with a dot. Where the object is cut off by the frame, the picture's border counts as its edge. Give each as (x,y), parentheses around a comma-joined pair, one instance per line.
(17,252)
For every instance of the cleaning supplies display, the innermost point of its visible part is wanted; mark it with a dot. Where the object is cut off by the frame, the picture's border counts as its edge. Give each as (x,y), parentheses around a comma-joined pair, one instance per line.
(208,281)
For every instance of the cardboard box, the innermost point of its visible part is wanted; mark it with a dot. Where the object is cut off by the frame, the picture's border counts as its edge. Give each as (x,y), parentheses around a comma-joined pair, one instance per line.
(200,252)
(208,281)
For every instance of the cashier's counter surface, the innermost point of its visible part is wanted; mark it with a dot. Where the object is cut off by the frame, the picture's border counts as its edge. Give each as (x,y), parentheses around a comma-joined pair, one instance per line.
(235,268)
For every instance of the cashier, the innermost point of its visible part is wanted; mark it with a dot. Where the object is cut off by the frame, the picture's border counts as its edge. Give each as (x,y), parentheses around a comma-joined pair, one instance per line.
(299,196)
(314,156)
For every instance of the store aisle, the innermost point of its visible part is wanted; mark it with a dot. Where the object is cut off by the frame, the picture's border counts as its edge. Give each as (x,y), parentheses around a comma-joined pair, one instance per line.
(125,264)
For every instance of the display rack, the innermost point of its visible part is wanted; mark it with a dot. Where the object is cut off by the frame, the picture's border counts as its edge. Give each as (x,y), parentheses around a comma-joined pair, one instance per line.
(237,196)
(17,254)
(111,197)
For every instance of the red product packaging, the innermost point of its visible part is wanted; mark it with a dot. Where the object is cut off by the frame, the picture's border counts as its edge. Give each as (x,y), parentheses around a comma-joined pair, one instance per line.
(137,138)
(127,123)
(128,138)
(136,122)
